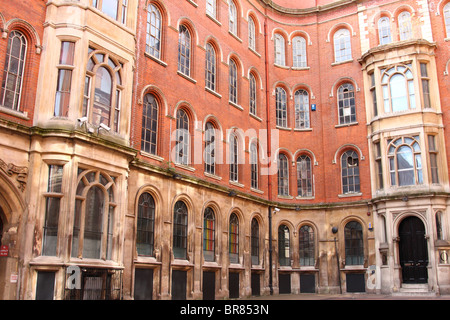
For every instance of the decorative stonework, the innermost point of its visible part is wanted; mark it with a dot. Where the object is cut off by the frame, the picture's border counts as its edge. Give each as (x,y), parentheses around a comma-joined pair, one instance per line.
(20,173)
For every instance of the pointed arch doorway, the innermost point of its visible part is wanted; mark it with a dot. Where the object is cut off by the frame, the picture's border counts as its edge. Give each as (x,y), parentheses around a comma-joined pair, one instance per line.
(413,250)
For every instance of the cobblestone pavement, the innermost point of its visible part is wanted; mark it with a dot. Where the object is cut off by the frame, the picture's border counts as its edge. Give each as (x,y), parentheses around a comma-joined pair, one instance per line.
(349,296)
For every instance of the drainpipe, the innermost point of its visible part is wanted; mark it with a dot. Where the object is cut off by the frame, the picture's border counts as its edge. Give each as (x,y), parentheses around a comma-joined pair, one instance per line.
(269,145)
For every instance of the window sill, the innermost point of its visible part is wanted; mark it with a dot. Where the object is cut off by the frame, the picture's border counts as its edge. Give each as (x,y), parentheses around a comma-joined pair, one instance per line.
(212,176)
(281,66)
(257,190)
(237,184)
(193,3)
(285,197)
(155,59)
(236,105)
(182,262)
(305,198)
(234,265)
(255,117)
(186,77)
(285,268)
(214,93)
(336,63)
(300,68)
(353,267)
(235,36)
(151,156)
(185,167)
(308,268)
(283,128)
(211,264)
(146,260)
(255,52)
(346,125)
(18,114)
(303,130)
(348,195)
(214,19)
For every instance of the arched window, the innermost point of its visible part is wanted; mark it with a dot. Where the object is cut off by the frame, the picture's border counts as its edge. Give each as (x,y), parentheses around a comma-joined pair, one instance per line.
(283,175)
(234,158)
(232,18)
(299,52)
(342,45)
(346,104)
(149,124)
(304,176)
(284,246)
(233,82)
(210,67)
(209,234)
(180,230)
(154,31)
(234,238)
(145,233)
(184,51)
(103,81)
(255,241)
(354,248)
(405,162)
(301,109)
(210,148)
(254,166)
(94,216)
(280,53)
(306,246)
(281,107)
(182,144)
(384,30)
(16,53)
(405,25)
(398,88)
(350,172)
(251,34)
(252,94)
(211,8)
(447,19)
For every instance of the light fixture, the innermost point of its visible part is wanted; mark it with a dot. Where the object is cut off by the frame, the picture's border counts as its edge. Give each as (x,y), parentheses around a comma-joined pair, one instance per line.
(176,176)
(232,193)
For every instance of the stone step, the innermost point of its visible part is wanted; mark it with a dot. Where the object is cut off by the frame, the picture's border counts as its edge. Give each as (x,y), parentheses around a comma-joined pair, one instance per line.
(414,290)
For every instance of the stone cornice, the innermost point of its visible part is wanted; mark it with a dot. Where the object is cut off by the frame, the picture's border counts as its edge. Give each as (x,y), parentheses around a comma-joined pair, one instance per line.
(304,11)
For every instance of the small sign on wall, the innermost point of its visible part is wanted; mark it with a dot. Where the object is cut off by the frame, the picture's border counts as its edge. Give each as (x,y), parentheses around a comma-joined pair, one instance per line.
(4,250)
(13,278)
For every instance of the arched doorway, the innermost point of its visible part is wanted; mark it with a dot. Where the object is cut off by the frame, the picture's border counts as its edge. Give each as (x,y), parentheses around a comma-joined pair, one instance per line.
(413,250)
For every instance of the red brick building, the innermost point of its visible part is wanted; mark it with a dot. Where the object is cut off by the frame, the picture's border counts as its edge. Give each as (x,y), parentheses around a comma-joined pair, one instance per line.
(206,149)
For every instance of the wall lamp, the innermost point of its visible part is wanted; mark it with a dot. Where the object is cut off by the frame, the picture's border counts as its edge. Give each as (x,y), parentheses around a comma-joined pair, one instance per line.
(232,193)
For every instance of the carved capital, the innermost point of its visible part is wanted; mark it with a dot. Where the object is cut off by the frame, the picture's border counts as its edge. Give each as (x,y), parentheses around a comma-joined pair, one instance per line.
(20,173)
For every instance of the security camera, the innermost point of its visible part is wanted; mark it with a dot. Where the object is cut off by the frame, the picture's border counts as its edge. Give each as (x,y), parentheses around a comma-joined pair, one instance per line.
(277,210)
(104,126)
(82,120)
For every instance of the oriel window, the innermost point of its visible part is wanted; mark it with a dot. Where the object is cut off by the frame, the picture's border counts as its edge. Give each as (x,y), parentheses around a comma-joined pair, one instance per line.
(63,87)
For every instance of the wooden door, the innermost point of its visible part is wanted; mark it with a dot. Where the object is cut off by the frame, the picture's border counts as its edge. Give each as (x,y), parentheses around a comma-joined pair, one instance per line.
(413,251)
